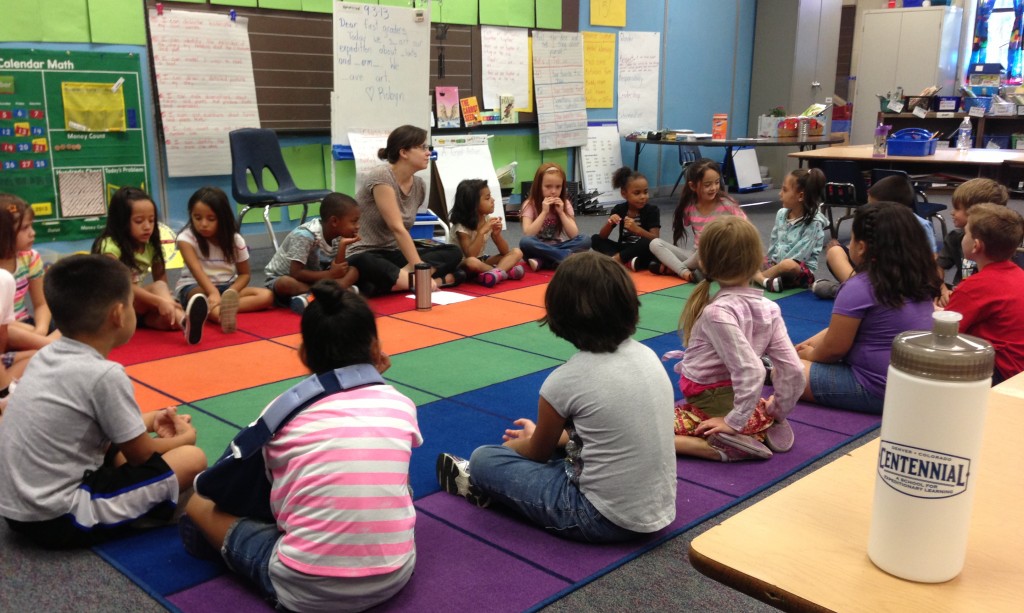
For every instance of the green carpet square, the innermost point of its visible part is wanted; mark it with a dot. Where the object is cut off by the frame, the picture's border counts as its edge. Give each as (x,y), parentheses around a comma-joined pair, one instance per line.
(679,291)
(660,313)
(463,365)
(532,337)
(243,407)
(418,397)
(212,435)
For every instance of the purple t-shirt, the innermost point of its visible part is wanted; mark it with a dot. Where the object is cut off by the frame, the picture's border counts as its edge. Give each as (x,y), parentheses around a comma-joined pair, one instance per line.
(869,355)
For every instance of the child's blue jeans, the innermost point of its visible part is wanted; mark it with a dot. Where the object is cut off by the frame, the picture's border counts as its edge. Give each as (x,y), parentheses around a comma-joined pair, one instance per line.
(543,493)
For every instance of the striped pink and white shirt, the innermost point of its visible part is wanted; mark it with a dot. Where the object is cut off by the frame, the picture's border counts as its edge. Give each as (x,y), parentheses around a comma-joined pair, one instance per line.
(340,472)
(725,206)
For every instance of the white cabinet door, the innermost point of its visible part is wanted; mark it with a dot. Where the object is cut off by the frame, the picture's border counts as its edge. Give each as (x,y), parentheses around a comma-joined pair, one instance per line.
(918,57)
(876,70)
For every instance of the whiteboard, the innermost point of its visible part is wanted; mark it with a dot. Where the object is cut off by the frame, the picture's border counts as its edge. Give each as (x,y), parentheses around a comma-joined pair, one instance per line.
(381,69)
(748,173)
(458,162)
(600,157)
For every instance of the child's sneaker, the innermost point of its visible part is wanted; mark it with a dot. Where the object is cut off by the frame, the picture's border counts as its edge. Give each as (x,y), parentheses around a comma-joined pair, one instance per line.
(193,540)
(229,311)
(517,272)
(738,447)
(195,316)
(491,277)
(299,303)
(657,268)
(453,477)
(534,264)
(696,276)
(779,436)
(773,284)
(632,264)
(825,289)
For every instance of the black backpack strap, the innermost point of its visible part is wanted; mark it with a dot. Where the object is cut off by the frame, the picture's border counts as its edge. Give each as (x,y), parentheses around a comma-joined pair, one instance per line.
(298,397)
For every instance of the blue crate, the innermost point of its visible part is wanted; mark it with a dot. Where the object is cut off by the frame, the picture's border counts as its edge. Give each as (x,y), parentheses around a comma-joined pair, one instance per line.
(984,102)
(911,142)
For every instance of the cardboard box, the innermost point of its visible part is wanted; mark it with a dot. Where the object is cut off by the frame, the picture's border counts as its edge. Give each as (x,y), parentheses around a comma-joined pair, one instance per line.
(719,126)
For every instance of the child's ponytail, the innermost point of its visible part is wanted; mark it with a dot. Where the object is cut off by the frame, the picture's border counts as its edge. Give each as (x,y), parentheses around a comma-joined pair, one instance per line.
(338,329)
(811,183)
(694,307)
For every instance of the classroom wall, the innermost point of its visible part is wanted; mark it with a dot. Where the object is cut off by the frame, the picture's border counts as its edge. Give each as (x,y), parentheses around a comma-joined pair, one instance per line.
(706,62)
(707,52)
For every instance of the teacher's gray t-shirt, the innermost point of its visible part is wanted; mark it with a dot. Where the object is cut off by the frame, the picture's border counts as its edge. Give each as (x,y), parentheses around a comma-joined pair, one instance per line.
(373,230)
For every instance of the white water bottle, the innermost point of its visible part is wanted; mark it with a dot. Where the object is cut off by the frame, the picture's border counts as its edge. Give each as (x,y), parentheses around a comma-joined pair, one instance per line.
(934,413)
(965,138)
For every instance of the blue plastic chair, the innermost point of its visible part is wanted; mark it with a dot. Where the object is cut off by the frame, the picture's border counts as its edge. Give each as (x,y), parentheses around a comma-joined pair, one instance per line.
(931,211)
(254,151)
(688,154)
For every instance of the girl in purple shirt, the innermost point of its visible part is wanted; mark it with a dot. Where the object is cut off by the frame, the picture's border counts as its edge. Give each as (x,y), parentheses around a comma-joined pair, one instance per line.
(891,292)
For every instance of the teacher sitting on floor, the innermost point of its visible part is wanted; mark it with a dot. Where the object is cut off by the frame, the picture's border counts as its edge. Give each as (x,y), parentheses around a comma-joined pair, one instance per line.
(385,253)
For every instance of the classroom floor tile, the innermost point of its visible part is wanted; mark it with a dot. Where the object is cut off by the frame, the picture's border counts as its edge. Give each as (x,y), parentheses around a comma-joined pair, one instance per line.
(220,371)
(474,316)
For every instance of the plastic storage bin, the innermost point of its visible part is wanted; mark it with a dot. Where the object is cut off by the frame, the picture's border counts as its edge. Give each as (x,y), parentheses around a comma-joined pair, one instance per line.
(912,142)
(984,102)
(996,141)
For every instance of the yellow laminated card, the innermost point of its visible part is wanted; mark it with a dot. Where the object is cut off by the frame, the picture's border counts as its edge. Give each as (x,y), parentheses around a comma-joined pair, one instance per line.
(93,107)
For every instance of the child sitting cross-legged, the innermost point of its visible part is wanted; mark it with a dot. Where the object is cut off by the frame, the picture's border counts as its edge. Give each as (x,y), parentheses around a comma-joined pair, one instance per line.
(992,300)
(598,464)
(314,251)
(78,463)
(342,534)
(951,255)
(474,226)
(723,416)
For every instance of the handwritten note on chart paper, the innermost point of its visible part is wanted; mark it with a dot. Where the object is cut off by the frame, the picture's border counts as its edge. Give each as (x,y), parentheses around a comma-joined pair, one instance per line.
(639,61)
(205,86)
(506,65)
(381,68)
(558,81)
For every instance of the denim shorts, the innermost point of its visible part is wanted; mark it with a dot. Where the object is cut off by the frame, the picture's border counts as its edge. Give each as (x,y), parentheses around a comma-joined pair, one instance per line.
(836,386)
(184,292)
(248,546)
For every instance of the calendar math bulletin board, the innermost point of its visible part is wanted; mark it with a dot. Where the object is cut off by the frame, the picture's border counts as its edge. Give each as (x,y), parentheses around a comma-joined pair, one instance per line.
(72,131)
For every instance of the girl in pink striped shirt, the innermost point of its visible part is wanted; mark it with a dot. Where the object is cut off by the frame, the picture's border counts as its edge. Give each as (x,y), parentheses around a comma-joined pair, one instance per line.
(342,539)
(723,416)
(703,200)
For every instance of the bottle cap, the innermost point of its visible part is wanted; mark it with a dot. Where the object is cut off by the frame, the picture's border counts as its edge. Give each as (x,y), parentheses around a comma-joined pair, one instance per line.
(943,354)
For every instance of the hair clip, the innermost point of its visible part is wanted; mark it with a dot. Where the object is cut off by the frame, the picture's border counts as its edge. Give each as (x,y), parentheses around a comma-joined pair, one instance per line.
(12,209)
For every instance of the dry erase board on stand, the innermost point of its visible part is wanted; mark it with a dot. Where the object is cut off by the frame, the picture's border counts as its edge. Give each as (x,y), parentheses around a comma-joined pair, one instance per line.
(599,158)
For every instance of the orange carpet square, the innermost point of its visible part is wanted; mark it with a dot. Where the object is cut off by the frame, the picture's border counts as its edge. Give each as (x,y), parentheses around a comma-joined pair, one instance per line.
(475,316)
(220,371)
(151,400)
(533,295)
(398,336)
(646,282)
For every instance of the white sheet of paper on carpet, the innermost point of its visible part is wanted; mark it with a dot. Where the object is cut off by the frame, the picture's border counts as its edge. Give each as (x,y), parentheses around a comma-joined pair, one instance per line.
(558,82)
(205,86)
(639,62)
(506,65)
(442,297)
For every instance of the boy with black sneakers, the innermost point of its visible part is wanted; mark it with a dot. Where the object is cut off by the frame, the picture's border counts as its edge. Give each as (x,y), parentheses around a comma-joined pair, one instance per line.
(74,413)
(314,251)
(992,300)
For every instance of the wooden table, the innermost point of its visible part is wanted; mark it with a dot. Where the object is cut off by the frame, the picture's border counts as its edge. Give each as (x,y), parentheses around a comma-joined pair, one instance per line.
(1003,165)
(810,142)
(804,548)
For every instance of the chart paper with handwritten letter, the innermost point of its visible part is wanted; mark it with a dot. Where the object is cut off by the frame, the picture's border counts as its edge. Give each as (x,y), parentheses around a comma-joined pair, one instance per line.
(381,69)
(639,62)
(558,79)
(205,87)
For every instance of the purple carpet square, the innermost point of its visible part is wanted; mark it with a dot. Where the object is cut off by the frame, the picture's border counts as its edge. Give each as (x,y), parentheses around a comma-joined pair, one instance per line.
(846,422)
(742,478)
(225,593)
(456,572)
(575,561)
